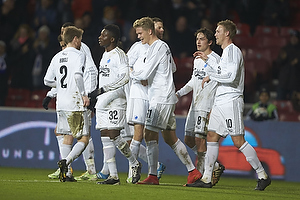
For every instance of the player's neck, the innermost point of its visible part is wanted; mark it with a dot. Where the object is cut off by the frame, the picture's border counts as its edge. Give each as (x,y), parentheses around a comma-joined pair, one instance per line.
(110,47)
(152,39)
(226,43)
(207,51)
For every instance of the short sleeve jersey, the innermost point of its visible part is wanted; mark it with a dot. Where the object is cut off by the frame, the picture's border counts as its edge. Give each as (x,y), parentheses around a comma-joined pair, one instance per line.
(136,55)
(63,67)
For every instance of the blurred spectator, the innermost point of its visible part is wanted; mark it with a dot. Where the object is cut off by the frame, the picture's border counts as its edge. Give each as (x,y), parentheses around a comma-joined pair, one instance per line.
(287,67)
(276,13)
(44,50)
(9,20)
(21,57)
(250,12)
(79,7)
(46,14)
(182,39)
(263,110)
(296,100)
(220,10)
(132,38)
(90,36)
(65,12)
(3,73)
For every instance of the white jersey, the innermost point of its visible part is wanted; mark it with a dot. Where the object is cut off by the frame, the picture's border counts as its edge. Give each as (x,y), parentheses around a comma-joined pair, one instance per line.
(136,55)
(113,69)
(64,67)
(202,97)
(89,75)
(230,75)
(90,72)
(113,75)
(157,68)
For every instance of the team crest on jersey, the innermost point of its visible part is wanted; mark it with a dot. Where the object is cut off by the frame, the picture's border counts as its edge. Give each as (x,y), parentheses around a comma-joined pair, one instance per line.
(108,61)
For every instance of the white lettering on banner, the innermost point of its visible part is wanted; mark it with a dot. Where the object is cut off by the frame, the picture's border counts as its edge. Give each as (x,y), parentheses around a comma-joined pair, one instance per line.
(29,154)
(18,154)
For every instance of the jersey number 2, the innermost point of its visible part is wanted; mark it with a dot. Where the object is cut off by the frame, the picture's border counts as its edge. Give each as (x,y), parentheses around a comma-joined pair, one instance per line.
(63,70)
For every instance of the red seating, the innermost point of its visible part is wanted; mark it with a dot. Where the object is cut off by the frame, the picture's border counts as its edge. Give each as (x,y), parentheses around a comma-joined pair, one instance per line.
(283,105)
(269,41)
(259,54)
(243,41)
(292,117)
(243,29)
(17,97)
(262,30)
(286,31)
(286,111)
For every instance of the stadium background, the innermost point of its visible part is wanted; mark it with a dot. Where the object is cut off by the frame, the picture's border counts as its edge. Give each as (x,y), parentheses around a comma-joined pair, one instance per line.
(264,27)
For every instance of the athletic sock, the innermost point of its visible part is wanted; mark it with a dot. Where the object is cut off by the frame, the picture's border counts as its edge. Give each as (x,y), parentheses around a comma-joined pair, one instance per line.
(182,153)
(75,152)
(88,157)
(143,153)
(108,148)
(123,147)
(252,158)
(210,159)
(135,147)
(60,140)
(152,154)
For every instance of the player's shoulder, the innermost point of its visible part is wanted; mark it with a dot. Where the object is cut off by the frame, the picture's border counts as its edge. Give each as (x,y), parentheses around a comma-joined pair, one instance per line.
(84,48)
(160,45)
(215,56)
(119,54)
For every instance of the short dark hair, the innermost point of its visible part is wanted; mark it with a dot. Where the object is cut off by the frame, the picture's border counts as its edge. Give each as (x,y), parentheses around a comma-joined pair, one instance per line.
(115,31)
(70,33)
(208,34)
(67,24)
(156,19)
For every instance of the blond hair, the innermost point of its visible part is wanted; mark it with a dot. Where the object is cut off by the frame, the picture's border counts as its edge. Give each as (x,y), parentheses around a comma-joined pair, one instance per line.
(229,26)
(146,23)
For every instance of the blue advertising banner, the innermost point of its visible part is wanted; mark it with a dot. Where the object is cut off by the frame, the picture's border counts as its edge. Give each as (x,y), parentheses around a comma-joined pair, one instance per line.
(27,140)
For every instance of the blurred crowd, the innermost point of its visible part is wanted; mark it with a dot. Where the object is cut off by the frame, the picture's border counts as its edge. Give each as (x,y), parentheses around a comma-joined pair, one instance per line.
(29,30)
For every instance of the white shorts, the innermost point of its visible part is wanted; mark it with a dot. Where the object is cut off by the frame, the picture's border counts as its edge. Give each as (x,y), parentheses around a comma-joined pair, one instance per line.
(196,123)
(227,118)
(127,132)
(76,123)
(160,117)
(137,110)
(112,118)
